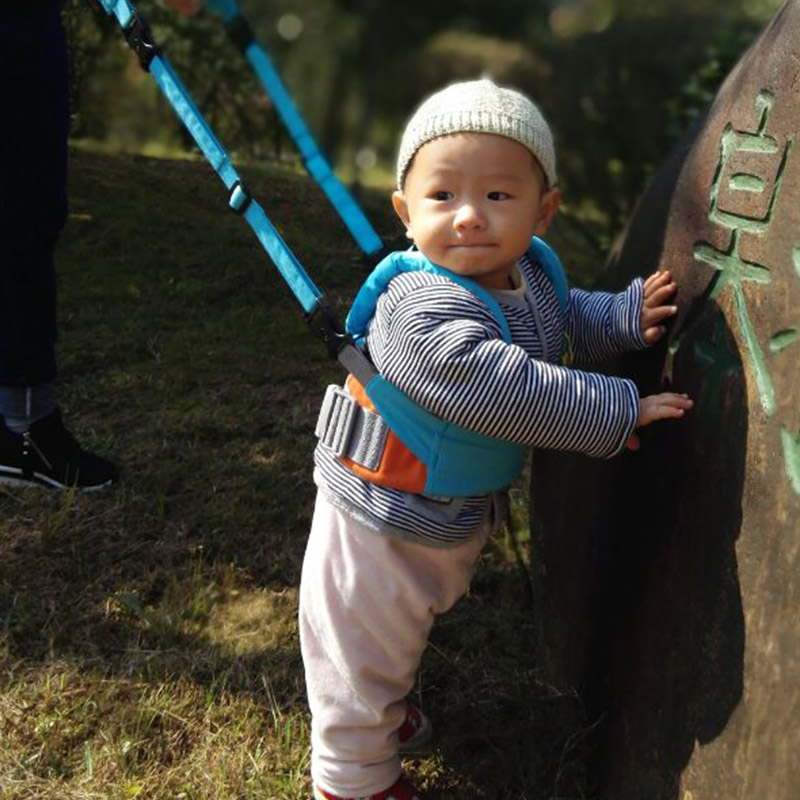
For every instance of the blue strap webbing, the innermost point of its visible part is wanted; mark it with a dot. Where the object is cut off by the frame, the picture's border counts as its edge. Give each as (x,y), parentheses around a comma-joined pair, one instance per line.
(366,302)
(318,167)
(302,286)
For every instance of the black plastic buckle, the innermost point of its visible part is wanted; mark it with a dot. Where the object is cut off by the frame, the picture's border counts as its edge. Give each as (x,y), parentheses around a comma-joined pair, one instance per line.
(240,198)
(140,38)
(326,325)
(240,32)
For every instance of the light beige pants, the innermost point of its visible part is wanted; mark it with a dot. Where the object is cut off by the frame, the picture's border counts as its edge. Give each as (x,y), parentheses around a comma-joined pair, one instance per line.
(367,604)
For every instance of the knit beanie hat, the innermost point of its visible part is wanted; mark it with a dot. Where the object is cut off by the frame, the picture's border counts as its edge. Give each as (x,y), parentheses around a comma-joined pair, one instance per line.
(478,107)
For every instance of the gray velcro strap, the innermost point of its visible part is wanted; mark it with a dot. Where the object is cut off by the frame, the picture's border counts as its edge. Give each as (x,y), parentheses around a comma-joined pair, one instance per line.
(350,430)
(336,419)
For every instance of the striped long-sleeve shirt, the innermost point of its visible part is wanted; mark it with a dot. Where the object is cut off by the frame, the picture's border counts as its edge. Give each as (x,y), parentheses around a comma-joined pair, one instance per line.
(441,345)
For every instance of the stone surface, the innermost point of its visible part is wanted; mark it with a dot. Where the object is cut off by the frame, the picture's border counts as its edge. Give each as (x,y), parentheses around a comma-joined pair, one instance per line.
(670,578)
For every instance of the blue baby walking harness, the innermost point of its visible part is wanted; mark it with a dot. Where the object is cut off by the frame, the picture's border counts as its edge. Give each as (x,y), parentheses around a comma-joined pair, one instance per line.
(386,438)
(454,460)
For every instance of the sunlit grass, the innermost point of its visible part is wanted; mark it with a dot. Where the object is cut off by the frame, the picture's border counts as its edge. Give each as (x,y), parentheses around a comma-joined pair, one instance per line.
(148,642)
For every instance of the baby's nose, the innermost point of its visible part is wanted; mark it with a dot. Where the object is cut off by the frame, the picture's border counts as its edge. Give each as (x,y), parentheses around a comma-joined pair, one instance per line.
(469,216)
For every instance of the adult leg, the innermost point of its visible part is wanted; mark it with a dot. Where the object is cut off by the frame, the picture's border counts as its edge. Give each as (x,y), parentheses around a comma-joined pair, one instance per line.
(34,90)
(367,604)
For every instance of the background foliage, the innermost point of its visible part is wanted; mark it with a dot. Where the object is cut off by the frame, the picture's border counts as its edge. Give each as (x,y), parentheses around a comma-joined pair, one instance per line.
(618,80)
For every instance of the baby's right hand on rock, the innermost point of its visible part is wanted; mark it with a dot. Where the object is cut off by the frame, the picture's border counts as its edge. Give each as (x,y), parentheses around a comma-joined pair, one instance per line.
(667,405)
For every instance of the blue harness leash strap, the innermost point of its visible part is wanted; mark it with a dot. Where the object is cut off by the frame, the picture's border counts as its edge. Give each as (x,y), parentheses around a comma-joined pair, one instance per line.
(318,167)
(139,37)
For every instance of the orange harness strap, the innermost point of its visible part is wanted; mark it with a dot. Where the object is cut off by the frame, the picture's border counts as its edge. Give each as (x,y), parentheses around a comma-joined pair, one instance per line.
(399,467)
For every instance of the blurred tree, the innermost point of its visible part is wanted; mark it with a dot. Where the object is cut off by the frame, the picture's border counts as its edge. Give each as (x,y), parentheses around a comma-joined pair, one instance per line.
(392,39)
(115,102)
(93,49)
(619,81)
(620,98)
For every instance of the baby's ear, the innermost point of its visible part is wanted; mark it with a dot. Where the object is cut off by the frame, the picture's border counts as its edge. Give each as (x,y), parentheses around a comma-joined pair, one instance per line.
(548,206)
(401,208)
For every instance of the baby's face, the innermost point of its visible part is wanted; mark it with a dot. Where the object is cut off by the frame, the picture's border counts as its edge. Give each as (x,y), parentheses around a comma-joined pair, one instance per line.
(472,201)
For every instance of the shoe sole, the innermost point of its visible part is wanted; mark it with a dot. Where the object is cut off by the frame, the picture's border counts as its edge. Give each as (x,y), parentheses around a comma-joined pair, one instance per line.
(14,477)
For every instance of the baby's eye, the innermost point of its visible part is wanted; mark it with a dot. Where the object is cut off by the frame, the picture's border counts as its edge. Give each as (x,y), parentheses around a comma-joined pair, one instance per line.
(442,195)
(498,195)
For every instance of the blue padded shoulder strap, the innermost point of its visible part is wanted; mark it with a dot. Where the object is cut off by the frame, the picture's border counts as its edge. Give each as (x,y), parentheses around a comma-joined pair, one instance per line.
(541,253)
(411,261)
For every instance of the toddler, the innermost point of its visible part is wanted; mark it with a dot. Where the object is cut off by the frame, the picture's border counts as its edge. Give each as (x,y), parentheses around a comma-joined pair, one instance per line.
(475,328)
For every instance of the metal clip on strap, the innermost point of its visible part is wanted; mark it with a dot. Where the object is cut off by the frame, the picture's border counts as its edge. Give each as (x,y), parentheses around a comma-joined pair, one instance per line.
(240,198)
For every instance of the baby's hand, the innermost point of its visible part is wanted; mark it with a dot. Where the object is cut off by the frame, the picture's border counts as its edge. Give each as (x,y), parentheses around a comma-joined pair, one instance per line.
(658,406)
(658,288)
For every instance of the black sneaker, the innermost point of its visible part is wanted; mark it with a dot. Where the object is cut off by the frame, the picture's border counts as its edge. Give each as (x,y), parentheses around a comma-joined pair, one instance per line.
(48,455)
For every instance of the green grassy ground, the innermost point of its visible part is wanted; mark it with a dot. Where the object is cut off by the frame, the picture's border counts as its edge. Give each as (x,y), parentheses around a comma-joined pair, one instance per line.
(148,644)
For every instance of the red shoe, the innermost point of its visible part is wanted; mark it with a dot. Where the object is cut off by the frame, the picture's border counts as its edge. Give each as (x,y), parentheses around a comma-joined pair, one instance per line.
(415,732)
(401,789)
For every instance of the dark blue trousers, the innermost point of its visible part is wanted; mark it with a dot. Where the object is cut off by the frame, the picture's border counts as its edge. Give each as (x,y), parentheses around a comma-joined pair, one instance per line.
(34,123)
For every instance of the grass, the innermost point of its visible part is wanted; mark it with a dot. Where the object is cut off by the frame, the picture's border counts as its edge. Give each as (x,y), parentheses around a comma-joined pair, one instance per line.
(148,644)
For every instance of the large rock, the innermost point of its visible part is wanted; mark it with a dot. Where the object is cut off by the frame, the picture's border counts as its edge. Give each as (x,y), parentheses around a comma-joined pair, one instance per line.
(670,578)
